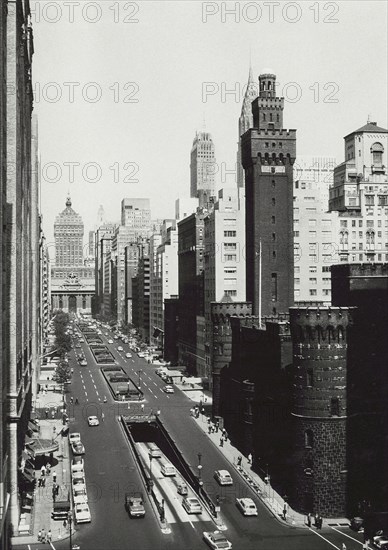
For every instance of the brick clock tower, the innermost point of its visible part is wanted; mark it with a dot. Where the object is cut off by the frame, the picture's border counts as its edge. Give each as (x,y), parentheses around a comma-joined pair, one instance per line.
(268,155)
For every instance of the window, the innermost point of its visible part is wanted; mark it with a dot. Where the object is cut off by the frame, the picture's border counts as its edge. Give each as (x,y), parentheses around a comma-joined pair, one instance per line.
(313,291)
(297,269)
(335,406)
(230,246)
(383,200)
(312,268)
(369,200)
(343,223)
(308,439)
(230,257)
(297,281)
(377,154)
(230,292)
(313,280)
(230,233)
(326,269)
(274,287)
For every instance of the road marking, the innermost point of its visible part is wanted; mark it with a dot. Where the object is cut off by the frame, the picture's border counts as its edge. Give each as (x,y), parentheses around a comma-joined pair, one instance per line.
(322,537)
(345,535)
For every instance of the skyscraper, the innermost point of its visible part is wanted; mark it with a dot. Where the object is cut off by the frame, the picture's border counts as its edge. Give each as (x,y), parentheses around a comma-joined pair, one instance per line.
(202,167)
(68,235)
(245,122)
(268,153)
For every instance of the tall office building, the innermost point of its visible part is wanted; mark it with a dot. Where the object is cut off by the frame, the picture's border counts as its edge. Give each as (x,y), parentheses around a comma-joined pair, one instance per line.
(102,245)
(245,122)
(202,168)
(68,236)
(268,155)
(360,195)
(224,267)
(315,230)
(72,280)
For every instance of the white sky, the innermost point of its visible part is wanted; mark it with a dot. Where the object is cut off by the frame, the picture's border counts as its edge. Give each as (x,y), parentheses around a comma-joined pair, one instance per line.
(167,57)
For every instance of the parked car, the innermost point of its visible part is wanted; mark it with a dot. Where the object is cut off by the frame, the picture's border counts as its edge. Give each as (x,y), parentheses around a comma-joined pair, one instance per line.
(110,341)
(357,524)
(120,348)
(82,513)
(380,541)
(154,452)
(78,483)
(134,505)
(79,495)
(78,448)
(77,474)
(168,389)
(141,354)
(78,346)
(74,437)
(246,506)
(192,505)
(93,421)
(128,354)
(83,363)
(216,540)
(223,477)
(77,464)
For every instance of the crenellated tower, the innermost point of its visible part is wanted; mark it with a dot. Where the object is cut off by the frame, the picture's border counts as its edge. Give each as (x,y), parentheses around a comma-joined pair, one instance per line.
(268,155)
(320,340)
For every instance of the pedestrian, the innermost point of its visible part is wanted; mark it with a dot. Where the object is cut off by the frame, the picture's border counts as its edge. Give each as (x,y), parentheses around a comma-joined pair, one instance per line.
(208,420)
(40,482)
(47,412)
(309,520)
(54,493)
(43,537)
(209,429)
(54,476)
(239,460)
(285,510)
(221,442)
(343,547)
(320,522)
(65,523)
(250,458)
(57,490)
(53,414)
(217,426)
(43,470)
(43,481)
(102,416)
(226,435)
(39,535)
(142,406)
(316,520)
(48,468)
(76,401)
(49,536)
(71,400)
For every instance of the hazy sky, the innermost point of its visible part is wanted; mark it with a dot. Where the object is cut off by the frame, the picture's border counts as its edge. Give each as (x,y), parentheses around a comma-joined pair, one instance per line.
(121,88)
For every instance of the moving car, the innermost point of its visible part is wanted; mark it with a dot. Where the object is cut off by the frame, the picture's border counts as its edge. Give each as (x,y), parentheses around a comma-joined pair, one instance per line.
(77,464)
(128,354)
(110,341)
(74,437)
(168,469)
(134,505)
(182,489)
(192,505)
(154,452)
(78,346)
(380,541)
(82,513)
(78,448)
(120,348)
(247,506)
(216,540)
(141,354)
(223,477)
(83,363)
(93,421)
(168,389)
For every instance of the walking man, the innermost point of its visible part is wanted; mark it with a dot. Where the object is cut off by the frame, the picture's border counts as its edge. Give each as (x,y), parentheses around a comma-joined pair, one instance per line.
(250,458)
(221,442)
(309,520)
(142,407)
(343,547)
(49,536)
(239,460)
(102,416)
(285,510)
(54,476)
(43,470)
(39,535)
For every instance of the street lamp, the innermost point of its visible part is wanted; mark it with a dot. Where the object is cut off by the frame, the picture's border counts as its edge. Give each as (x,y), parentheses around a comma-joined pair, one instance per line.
(200,482)
(139,373)
(70,519)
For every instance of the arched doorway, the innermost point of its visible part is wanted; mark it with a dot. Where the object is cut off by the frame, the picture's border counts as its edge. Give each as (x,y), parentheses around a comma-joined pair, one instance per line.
(72,304)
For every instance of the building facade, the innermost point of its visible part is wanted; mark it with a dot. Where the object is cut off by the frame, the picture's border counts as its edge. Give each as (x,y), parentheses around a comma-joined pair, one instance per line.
(360,195)
(315,230)
(72,281)
(202,167)
(268,155)
(141,298)
(224,267)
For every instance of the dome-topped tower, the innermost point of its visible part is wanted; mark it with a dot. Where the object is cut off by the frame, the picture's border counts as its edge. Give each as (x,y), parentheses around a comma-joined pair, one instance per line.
(68,235)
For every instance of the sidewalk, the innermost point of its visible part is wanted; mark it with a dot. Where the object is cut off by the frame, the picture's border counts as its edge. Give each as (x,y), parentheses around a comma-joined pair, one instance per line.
(39,517)
(268,496)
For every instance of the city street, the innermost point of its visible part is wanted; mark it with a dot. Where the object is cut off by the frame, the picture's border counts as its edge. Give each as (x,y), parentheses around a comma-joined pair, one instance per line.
(110,472)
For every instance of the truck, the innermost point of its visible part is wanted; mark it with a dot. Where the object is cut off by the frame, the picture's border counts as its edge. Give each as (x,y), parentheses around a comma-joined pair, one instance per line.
(134,505)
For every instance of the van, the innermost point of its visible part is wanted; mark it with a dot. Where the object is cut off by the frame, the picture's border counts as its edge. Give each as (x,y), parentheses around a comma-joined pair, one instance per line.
(168,469)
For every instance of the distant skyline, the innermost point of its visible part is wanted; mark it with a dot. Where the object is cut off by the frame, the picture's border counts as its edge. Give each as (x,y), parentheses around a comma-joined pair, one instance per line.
(181,63)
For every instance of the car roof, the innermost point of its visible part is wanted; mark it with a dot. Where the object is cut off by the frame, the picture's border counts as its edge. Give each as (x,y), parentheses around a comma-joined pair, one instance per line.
(247,500)
(218,536)
(223,472)
(93,416)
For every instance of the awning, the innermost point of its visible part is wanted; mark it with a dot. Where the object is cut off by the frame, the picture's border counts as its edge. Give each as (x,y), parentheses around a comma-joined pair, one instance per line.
(42,446)
(28,474)
(157,332)
(32,426)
